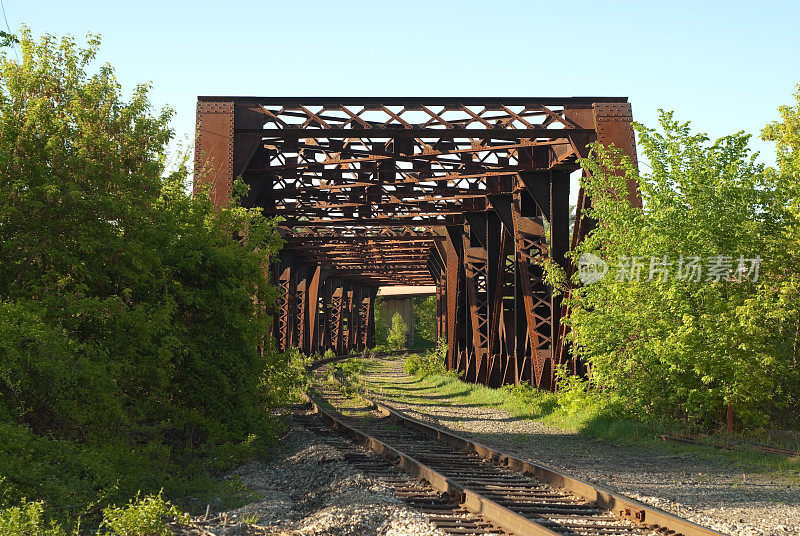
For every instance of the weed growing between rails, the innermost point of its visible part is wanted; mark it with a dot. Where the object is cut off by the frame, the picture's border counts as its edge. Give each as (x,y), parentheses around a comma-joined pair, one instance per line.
(346,376)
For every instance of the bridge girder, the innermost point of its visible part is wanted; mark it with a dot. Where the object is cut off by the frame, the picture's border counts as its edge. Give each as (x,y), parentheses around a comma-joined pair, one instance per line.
(445,191)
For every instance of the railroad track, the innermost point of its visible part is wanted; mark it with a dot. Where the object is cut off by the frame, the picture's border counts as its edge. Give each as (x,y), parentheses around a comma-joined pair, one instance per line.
(440,508)
(328,360)
(468,488)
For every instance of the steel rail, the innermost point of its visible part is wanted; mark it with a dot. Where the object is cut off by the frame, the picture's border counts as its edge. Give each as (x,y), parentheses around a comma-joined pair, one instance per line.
(471,501)
(440,509)
(625,508)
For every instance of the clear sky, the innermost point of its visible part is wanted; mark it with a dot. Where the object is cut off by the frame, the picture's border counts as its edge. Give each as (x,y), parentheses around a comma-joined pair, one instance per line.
(726,66)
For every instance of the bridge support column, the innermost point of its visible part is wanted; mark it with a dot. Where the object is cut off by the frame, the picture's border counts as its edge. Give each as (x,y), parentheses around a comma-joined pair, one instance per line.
(350,315)
(315,284)
(612,123)
(531,249)
(336,324)
(286,314)
(454,293)
(367,318)
(476,267)
(301,333)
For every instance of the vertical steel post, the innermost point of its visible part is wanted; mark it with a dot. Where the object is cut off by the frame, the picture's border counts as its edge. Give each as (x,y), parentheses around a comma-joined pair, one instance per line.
(367,318)
(221,154)
(612,123)
(559,245)
(452,248)
(285,307)
(476,266)
(313,310)
(326,317)
(213,150)
(529,236)
(494,298)
(338,298)
(301,334)
(350,333)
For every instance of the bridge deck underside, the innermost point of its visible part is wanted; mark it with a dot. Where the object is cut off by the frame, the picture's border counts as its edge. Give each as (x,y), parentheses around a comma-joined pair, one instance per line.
(468,194)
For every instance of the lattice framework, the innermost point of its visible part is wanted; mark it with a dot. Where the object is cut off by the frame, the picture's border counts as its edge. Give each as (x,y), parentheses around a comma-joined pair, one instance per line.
(451,192)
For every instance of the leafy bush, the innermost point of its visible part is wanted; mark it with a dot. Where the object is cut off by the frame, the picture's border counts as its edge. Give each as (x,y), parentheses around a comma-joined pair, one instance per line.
(286,377)
(398,334)
(348,374)
(27,519)
(424,312)
(146,516)
(574,394)
(424,321)
(132,314)
(679,348)
(428,363)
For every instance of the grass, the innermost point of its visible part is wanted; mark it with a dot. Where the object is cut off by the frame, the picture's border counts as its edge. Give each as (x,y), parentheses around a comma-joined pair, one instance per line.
(348,374)
(572,412)
(353,405)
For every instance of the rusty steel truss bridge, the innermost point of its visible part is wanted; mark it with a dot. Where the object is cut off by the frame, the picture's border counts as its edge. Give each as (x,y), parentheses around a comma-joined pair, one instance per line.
(468,194)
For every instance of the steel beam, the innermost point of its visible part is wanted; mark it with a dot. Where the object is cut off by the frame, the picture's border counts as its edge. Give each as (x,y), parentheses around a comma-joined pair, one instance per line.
(447,191)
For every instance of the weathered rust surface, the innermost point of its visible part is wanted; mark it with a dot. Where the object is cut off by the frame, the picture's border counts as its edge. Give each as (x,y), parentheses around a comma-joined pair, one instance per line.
(445,191)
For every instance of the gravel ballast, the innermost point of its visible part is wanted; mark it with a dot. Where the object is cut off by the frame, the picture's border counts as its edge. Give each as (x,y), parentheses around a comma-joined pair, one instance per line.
(306,488)
(710,490)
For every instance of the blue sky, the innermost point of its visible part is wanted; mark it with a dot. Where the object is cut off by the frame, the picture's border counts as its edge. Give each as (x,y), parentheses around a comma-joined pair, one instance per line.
(726,66)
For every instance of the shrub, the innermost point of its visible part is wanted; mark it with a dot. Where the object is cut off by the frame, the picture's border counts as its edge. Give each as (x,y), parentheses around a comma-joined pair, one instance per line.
(428,363)
(146,516)
(424,321)
(132,314)
(348,373)
(398,334)
(285,377)
(27,519)
(673,347)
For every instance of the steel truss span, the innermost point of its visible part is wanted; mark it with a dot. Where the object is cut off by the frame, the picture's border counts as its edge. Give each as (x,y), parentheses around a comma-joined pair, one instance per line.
(468,194)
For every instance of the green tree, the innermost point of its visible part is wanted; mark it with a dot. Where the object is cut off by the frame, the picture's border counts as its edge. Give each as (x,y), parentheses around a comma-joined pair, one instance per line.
(674,347)
(398,334)
(776,311)
(424,321)
(132,315)
(383,321)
